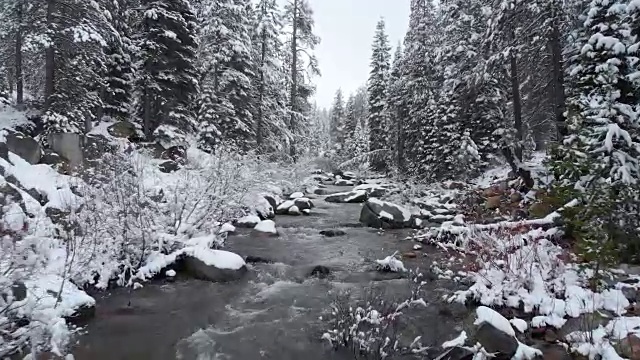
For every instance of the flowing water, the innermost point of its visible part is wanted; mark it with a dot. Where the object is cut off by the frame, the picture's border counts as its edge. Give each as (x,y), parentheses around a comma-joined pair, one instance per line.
(275,311)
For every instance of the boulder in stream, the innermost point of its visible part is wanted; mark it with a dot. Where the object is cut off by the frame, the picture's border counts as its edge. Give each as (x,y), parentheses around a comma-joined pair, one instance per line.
(332,233)
(381,214)
(214,265)
(266,227)
(356,196)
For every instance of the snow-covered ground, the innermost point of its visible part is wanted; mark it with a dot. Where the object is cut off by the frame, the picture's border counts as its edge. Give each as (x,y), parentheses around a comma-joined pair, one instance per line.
(122,224)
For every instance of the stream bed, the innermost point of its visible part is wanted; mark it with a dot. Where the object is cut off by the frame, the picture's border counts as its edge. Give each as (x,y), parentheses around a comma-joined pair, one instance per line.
(275,311)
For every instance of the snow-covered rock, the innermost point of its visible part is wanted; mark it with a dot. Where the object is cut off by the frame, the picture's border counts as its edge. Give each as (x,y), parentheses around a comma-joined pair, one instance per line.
(266,226)
(296,195)
(343,182)
(390,263)
(381,214)
(214,265)
(226,228)
(24,146)
(303,203)
(356,196)
(283,208)
(373,190)
(294,210)
(248,221)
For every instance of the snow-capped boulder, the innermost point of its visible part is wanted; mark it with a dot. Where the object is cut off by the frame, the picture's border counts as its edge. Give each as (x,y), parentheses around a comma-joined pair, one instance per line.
(294,210)
(356,196)
(25,147)
(373,190)
(390,263)
(296,195)
(283,209)
(495,333)
(303,203)
(267,227)
(214,265)
(343,182)
(248,221)
(381,214)
(57,162)
(226,228)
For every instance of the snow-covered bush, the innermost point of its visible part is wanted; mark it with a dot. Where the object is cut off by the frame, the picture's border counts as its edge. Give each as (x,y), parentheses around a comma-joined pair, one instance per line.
(370,327)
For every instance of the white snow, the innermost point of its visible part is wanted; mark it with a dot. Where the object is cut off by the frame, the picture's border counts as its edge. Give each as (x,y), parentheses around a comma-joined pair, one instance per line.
(218,258)
(286,205)
(227,228)
(391,263)
(519,324)
(170,273)
(406,213)
(458,341)
(386,215)
(249,219)
(296,195)
(266,226)
(490,316)
(526,352)
(354,195)
(417,247)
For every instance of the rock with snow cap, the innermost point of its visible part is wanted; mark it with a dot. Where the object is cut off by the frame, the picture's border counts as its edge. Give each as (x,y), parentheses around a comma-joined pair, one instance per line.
(381,214)
(356,196)
(214,265)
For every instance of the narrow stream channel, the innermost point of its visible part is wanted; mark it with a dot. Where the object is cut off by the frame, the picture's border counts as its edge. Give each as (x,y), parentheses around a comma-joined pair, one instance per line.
(274,312)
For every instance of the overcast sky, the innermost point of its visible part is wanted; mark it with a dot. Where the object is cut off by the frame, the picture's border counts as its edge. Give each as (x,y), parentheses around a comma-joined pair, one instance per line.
(346,29)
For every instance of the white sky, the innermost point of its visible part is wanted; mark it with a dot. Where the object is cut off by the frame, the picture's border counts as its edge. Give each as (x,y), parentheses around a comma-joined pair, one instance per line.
(346,29)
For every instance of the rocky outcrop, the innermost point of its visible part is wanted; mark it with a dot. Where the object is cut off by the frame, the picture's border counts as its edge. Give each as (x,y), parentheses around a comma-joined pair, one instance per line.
(123,129)
(24,146)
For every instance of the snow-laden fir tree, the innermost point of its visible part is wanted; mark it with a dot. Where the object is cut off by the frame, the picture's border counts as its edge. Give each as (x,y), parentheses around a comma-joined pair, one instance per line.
(419,80)
(396,111)
(600,159)
(337,121)
(270,85)
(120,70)
(168,75)
(350,122)
(74,40)
(377,89)
(226,67)
(302,65)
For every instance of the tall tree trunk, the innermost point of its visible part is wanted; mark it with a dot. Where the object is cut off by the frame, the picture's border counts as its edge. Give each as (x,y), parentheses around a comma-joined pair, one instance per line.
(557,81)
(517,105)
(50,66)
(18,59)
(260,120)
(294,80)
(401,140)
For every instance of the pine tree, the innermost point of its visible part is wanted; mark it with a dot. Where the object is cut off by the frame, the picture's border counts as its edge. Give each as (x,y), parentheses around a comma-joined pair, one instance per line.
(377,88)
(603,145)
(168,75)
(120,70)
(270,78)
(226,66)
(76,35)
(302,66)
(337,119)
(350,122)
(396,111)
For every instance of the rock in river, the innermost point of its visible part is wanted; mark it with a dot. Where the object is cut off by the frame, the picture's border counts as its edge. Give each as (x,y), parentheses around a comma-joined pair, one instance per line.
(381,214)
(356,196)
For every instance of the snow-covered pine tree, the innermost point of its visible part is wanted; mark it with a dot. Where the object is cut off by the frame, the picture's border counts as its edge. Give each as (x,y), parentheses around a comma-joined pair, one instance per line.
(396,111)
(337,120)
(377,89)
(74,40)
(167,70)
(350,123)
(120,70)
(302,66)
(603,144)
(269,82)
(418,78)
(226,66)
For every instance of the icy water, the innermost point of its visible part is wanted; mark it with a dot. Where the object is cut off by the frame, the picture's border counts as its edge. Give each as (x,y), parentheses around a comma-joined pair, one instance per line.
(274,312)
